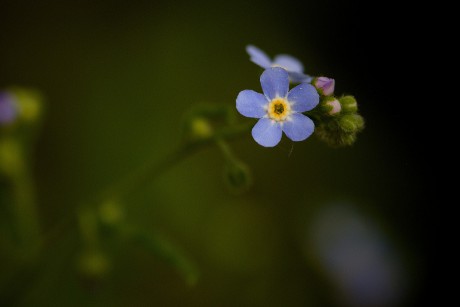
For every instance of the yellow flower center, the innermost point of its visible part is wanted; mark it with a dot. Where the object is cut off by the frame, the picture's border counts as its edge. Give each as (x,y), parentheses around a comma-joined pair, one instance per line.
(279,109)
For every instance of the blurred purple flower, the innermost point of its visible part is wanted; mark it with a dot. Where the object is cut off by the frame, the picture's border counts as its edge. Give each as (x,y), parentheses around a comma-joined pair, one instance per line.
(293,66)
(356,257)
(279,109)
(8,108)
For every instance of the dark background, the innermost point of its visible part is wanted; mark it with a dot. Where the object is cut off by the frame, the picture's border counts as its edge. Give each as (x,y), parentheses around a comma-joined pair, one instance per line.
(118,76)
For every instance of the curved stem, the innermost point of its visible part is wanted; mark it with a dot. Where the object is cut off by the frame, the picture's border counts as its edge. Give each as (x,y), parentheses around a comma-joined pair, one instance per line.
(226,151)
(152,170)
(147,173)
(24,207)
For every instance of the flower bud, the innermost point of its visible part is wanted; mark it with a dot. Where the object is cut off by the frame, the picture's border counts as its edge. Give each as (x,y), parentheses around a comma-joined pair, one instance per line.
(93,264)
(324,85)
(30,104)
(331,105)
(341,130)
(198,128)
(351,123)
(110,212)
(349,104)
(237,176)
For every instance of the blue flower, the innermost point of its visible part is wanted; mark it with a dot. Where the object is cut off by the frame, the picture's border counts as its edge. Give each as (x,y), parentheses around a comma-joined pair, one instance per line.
(8,108)
(278,108)
(293,66)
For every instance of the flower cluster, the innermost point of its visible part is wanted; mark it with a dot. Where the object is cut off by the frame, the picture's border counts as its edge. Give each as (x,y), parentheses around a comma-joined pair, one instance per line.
(296,112)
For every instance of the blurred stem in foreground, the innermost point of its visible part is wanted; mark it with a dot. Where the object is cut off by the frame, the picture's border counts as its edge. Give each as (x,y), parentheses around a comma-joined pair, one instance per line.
(22,206)
(16,136)
(106,211)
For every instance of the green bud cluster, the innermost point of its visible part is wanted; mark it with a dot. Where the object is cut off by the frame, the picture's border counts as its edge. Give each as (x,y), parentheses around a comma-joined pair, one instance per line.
(337,120)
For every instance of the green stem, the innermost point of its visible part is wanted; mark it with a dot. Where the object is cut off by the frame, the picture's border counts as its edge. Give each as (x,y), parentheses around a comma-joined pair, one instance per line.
(147,173)
(152,170)
(226,151)
(25,211)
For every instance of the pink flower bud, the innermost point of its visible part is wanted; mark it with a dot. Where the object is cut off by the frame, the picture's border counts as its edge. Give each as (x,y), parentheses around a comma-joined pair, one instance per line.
(324,85)
(335,105)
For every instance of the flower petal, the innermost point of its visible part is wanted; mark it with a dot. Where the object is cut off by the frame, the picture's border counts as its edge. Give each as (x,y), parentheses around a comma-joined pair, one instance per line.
(288,62)
(275,82)
(258,56)
(251,104)
(267,132)
(298,127)
(298,77)
(303,97)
